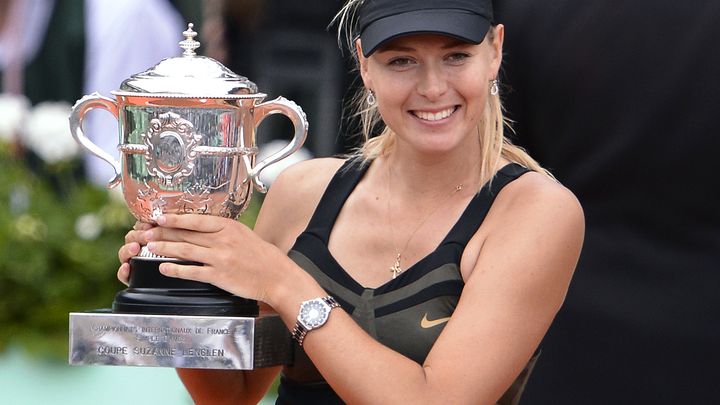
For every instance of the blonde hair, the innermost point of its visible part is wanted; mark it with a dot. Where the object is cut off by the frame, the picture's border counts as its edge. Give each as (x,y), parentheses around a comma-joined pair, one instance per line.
(491,131)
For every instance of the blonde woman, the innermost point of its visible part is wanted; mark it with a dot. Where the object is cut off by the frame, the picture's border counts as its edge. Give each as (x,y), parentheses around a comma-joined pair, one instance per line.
(424,269)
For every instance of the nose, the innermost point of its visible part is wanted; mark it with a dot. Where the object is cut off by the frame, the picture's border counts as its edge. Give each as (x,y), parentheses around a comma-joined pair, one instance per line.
(432,83)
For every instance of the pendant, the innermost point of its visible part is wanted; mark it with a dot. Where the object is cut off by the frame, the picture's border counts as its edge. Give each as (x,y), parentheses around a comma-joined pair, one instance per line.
(396,270)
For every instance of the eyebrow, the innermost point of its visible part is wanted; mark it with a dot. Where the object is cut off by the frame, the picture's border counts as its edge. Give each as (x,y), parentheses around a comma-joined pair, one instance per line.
(452,43)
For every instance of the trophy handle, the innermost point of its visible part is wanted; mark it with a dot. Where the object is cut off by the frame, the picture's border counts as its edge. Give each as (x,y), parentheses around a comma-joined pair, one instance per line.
(77,116)
(280,105)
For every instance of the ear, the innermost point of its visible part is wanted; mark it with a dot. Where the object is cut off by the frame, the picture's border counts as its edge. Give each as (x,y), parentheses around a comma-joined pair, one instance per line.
(363,63)
(497,50)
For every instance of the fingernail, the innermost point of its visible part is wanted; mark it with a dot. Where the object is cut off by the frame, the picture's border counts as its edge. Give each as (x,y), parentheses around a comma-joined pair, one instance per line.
(164,268)
(151,246)
(161,220)
(135,248)
(148,235)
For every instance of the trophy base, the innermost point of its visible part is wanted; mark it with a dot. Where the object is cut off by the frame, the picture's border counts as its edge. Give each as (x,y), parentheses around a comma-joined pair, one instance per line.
(231,343)
(150,292)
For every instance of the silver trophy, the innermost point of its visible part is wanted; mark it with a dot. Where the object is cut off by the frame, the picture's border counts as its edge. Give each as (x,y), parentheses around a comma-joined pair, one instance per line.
(187,141)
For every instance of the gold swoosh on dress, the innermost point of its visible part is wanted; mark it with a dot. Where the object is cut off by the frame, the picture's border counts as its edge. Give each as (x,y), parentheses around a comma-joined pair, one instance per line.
(426,323)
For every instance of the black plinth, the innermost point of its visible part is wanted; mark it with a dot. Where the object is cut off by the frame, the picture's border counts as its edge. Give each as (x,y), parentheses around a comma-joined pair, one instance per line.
(150,292)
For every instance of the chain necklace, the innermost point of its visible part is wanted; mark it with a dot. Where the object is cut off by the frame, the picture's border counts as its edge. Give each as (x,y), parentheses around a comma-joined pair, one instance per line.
(395,268)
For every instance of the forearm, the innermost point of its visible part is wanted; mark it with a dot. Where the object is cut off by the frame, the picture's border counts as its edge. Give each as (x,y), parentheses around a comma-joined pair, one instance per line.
(213,386)
(363,371)
(226,386)
(360,369)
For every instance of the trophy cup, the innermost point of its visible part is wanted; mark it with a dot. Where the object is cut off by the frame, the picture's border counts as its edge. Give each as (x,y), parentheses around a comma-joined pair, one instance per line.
(187,142)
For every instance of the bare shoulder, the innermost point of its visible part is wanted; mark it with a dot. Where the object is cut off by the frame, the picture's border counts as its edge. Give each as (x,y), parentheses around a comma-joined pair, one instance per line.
(534,195)
(535,206)
(309,176)
(292,199)
(534,232)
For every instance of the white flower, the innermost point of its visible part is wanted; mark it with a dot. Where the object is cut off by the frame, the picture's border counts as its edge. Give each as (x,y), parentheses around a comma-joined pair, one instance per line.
(88,226)
(13,109)
(46,132)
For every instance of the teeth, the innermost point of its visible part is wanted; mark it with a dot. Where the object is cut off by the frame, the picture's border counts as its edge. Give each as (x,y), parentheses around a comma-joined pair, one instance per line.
(428,116)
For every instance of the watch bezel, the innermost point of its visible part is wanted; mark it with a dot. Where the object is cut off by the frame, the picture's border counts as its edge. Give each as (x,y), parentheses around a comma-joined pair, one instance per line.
(311,322)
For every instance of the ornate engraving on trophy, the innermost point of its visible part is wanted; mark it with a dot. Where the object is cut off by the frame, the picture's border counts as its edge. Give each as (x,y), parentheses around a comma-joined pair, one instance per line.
(233,206)
(149,202)
(197,199)
(171,142)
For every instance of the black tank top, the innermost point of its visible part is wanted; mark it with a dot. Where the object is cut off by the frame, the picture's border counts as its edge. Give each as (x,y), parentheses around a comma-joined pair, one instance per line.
(405,314)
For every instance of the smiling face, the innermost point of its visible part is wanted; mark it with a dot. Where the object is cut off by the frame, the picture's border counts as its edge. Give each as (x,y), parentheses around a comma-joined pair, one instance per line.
(431,90)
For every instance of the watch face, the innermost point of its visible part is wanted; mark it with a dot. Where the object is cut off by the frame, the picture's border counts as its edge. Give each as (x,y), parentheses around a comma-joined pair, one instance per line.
(313,313)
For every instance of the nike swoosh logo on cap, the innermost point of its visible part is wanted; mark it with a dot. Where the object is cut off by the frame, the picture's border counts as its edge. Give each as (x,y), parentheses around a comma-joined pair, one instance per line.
(425,323)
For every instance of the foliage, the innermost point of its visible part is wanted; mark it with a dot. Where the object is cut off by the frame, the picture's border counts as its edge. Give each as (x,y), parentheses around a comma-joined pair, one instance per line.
(59,237)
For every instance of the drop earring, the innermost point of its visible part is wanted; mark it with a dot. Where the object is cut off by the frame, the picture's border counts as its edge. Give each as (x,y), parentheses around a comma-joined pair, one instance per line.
(371,100)
(494,87)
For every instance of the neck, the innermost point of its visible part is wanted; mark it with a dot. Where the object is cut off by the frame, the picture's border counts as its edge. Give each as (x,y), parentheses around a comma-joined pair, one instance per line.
(415,173)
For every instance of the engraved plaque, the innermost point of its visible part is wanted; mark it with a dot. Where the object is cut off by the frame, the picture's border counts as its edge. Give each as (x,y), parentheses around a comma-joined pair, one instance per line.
(237,343)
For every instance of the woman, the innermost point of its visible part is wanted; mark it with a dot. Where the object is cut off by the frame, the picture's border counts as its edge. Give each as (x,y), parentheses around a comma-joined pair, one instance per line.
(448,249)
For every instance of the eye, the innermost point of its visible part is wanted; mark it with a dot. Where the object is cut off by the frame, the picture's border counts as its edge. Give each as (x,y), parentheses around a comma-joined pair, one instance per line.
(400,62)
(457,57)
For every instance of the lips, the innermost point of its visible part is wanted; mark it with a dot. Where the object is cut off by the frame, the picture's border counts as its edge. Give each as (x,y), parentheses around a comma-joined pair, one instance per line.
(434,115)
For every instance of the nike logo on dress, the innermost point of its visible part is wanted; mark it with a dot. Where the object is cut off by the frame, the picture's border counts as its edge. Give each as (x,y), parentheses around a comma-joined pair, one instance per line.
(426,323)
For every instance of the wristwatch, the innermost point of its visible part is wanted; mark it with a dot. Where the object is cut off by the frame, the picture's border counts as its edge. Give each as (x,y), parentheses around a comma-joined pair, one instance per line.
(313,314)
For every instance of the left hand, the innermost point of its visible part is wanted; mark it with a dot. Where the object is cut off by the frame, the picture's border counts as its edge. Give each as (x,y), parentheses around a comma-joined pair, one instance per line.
(234,257)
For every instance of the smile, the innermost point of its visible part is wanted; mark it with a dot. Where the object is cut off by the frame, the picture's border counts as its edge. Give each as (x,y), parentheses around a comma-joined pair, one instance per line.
(434,116)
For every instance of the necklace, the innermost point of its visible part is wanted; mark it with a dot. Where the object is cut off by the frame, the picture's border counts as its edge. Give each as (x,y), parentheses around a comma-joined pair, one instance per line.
(396,269)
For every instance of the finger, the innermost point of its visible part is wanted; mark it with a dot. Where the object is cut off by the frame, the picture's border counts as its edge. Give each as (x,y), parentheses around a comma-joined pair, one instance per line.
(193,222)
(123,273)
(142,226)
(177,235)
(187,272)
(127,251)
(139,236)
(131,236)
(181,250)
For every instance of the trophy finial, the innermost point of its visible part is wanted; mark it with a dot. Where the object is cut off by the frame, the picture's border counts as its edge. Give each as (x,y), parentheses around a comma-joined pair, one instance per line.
(189,44)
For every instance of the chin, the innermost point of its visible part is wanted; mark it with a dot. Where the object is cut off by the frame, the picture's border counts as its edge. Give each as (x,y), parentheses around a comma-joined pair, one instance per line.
(441,143)
(437,148)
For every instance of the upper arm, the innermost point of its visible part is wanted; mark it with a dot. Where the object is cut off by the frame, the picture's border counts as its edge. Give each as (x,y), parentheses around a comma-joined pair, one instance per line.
(518,283)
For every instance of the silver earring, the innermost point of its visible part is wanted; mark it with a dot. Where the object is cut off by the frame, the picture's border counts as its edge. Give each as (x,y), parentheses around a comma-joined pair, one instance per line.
(371,100)
(494,87)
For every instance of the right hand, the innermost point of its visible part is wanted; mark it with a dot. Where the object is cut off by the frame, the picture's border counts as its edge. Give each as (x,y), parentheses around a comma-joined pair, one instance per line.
(134,239)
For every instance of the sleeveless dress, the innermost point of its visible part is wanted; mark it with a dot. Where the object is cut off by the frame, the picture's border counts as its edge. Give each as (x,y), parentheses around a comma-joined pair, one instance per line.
(405,314)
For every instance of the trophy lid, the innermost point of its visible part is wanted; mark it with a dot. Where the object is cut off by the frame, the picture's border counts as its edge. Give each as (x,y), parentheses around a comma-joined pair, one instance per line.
(189,75)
